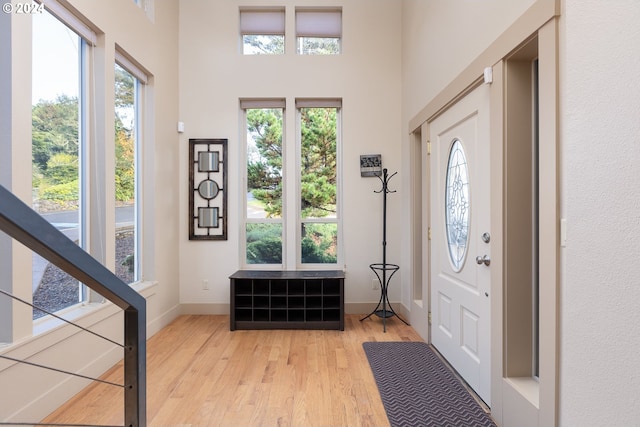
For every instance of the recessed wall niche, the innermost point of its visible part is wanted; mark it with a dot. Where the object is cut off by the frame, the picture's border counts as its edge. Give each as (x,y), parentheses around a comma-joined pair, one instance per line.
(207,189)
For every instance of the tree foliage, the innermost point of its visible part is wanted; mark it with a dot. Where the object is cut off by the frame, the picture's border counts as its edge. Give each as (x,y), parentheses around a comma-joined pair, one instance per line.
(263,45)
(264,167)
(124,135)
(319,46)
(55,143)
(317,167)
(318,162)
(54,129)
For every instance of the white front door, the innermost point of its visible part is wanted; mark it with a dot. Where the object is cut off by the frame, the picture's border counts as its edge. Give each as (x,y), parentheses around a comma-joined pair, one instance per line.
(461,240)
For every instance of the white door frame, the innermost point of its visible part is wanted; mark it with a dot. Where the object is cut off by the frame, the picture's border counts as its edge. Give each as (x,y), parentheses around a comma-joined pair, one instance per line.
(419,315)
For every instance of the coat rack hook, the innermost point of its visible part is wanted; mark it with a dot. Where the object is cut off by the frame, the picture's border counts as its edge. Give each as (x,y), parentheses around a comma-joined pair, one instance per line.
(384,179)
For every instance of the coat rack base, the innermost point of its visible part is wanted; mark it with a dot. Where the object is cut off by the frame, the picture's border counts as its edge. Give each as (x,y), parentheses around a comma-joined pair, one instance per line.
(384,309)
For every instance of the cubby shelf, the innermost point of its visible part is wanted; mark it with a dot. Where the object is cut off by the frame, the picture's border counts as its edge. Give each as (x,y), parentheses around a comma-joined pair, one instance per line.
(287,299)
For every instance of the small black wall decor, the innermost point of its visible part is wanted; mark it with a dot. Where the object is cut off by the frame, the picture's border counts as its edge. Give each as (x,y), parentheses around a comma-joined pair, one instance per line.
(370,165)
(207,189)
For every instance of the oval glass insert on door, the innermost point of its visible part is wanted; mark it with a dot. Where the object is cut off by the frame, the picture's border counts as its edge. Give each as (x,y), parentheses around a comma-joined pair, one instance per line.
(457,208)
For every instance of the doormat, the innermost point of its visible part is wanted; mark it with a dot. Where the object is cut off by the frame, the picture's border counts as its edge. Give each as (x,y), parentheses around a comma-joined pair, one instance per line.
(418,389)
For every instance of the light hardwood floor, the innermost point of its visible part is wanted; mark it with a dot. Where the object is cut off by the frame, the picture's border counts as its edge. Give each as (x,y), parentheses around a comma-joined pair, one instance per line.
(201,374)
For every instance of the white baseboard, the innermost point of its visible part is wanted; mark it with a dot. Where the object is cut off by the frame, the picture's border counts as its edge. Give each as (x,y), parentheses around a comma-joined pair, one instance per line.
(200,309)
(155,325)
(222,308)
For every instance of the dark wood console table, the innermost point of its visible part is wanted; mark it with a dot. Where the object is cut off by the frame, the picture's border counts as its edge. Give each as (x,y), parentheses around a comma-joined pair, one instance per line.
(287,299)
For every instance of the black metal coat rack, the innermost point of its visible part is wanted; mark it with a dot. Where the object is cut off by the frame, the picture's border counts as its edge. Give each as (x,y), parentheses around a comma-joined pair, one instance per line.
(384,309)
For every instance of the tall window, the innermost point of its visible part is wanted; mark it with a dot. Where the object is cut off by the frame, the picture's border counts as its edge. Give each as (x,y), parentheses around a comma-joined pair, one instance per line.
(129,80)
(264,197)
(57,150)
(318,31)
(318,186)
(291,220)
(262,31)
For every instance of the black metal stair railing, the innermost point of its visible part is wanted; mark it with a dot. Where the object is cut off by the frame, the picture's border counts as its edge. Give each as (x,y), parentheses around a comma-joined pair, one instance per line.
(25,225)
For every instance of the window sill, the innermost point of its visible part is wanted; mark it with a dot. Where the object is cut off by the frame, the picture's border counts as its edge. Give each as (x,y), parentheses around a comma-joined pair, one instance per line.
(80,311)
(527,387)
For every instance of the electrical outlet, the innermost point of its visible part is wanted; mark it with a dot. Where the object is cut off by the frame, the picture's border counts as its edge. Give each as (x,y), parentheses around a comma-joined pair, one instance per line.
(205,284)
(375,285)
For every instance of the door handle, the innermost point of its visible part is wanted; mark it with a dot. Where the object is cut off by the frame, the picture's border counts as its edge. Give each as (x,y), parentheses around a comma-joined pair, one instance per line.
(483,260)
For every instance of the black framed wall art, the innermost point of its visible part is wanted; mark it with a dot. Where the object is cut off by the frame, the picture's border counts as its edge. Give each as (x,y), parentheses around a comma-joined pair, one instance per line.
(207,189)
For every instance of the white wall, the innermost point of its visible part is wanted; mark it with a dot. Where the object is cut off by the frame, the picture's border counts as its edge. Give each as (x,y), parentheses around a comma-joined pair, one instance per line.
(27,393)
(214,75)
(600,140)
(441,38)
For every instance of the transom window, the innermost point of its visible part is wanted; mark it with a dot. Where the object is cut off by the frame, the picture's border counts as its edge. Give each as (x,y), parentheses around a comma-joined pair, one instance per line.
(262,31)
(318,31)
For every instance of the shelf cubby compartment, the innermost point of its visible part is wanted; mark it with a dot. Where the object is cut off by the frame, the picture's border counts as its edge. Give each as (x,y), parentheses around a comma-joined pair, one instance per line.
(331,301)
(296,301)
(244,287)
(278,287)
(314,315)
(260,315)
(295,316)
(279,301)
(313,302)
(296,287)
(331,287)
(261,287)
(313,287)
(279,315)
(331,314)
(244,301)
(261,301)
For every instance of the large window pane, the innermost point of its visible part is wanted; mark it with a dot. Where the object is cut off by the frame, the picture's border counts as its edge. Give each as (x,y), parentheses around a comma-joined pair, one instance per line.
(318,156)
(126,135)
(56,151)
(264,243)
(319,243)
(264,186)
(264,163)
(318,186)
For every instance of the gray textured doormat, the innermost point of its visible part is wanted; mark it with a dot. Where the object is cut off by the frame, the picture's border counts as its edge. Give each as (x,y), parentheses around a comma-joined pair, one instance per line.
(418,389)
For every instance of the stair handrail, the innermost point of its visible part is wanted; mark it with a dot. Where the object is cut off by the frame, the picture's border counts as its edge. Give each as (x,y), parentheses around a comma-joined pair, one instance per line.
(25,225)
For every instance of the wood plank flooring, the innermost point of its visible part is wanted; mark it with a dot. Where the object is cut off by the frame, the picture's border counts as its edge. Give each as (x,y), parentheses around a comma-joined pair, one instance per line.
(201,374)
